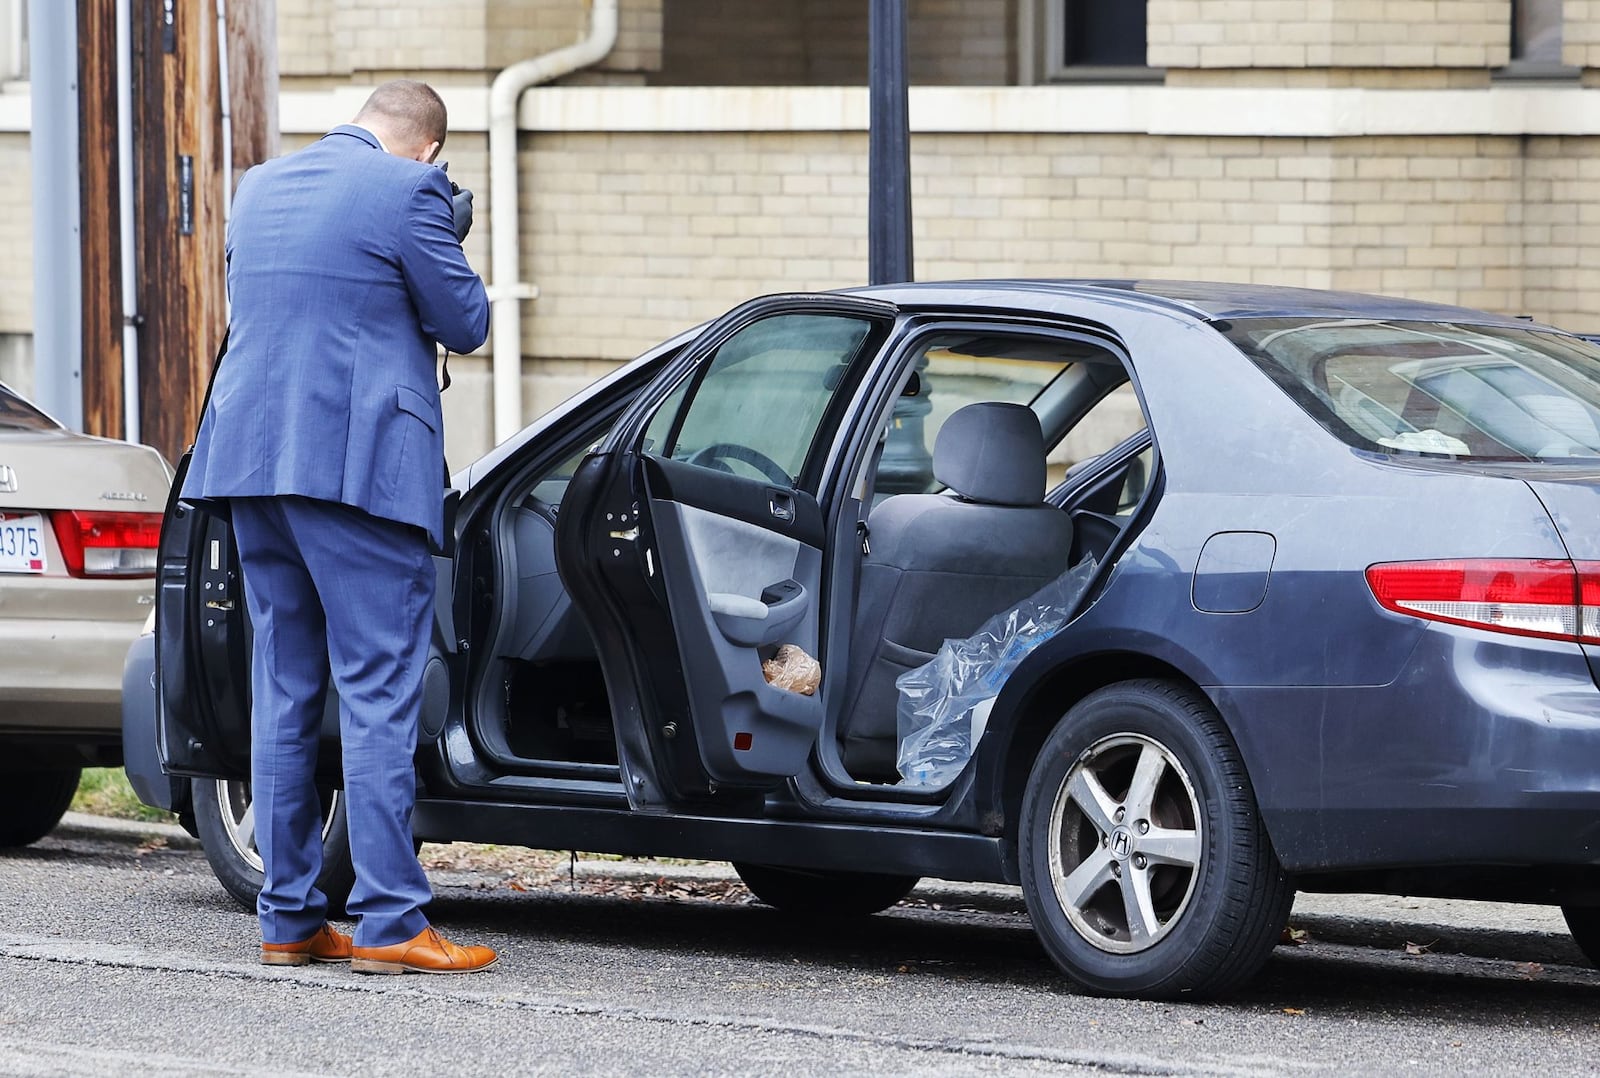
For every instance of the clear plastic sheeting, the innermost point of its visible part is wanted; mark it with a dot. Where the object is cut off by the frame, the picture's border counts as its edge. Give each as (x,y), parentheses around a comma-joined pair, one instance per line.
(944,704)
(792,670)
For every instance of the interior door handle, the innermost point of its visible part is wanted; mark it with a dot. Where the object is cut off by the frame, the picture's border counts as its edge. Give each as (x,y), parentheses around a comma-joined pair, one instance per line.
(781,506)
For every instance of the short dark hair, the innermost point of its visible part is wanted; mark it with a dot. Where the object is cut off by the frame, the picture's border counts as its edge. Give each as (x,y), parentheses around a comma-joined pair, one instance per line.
(412,109)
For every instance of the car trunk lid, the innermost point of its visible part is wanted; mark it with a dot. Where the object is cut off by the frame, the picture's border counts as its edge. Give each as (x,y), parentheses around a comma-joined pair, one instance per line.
(60,470)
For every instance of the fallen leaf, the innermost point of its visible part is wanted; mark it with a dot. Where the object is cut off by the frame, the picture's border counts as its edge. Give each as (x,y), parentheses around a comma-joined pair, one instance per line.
(1529,971)
(1295,937)
(1420,948)
(1294,1010)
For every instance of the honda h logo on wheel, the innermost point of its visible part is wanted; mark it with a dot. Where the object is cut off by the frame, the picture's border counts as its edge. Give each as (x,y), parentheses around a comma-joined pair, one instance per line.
(8,479)
(1121,842)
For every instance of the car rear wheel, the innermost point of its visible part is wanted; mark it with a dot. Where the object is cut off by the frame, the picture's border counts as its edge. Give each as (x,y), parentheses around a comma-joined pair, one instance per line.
(1584,924)
(33,802)
(225,817)
(1145,865)
(814,893)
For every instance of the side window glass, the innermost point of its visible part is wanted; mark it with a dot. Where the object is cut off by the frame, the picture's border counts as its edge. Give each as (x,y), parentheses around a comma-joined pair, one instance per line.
(1135,481)
(757,406)
(1112,421)
(552,486)
(952,374)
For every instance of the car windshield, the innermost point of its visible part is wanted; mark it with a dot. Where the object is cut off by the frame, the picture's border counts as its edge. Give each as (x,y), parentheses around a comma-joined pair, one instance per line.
(18,414)
(1435,388)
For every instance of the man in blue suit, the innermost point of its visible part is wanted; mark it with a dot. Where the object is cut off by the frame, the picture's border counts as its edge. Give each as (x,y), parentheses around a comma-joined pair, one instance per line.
(323,437)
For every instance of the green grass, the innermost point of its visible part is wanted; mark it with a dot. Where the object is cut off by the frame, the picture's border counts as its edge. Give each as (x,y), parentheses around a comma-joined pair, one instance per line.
(104,791)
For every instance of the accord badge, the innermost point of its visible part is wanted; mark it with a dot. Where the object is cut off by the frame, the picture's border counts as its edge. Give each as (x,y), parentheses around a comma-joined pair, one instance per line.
(124,496)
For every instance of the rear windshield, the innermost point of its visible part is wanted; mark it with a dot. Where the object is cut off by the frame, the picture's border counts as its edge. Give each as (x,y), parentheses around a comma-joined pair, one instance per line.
(1435,388)
(18,414)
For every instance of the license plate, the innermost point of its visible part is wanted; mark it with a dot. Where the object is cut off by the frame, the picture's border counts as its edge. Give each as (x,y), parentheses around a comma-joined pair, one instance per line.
(21,543)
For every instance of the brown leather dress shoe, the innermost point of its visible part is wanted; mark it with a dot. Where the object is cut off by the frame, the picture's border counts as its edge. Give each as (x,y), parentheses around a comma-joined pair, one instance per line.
(426,952)
(324,945)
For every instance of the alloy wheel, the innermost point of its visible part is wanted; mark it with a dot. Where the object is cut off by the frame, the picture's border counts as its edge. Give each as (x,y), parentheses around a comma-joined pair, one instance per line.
(1125,843)
(239,818)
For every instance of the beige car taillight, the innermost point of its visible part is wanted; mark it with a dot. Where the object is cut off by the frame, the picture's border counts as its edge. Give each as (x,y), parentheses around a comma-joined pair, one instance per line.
(108,544)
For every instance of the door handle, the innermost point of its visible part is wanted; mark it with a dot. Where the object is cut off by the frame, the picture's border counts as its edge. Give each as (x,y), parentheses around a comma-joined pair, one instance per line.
(781,506)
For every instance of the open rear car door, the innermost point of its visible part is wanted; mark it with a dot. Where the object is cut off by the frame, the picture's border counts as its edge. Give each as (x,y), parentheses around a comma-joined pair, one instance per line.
(693,542)
(202,644)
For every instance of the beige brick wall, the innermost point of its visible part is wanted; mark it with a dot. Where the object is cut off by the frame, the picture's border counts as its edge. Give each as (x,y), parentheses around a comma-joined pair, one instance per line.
(1580,33)
(518,29)
(16,235)
(1562,230)
(632,237)
(369,39)
(1329,33)
(824,42)
(305,39)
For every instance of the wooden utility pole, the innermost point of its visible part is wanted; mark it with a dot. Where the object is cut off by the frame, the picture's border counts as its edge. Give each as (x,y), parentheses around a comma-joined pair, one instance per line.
(101,222)
(180,182)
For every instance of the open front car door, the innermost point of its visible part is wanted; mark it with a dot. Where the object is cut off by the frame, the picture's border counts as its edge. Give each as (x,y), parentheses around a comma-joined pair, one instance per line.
(693,542)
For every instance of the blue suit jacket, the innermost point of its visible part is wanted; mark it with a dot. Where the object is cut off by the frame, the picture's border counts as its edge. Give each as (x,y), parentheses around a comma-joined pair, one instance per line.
(343,272)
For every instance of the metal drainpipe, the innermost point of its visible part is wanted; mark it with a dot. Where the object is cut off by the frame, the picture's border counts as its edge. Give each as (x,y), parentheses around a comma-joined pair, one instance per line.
(128,256)
(504,225)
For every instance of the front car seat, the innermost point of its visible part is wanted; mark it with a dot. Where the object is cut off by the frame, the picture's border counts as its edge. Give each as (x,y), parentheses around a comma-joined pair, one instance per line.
(942,564)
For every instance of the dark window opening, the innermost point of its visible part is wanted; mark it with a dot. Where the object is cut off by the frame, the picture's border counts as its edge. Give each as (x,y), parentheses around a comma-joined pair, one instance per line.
(1103,33)
(1536,31)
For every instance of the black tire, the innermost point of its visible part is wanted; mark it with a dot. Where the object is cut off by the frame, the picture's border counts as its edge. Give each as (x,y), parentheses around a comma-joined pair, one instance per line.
(817,894)
(33,802)
(1584,924)
(239,872)
(1202,929)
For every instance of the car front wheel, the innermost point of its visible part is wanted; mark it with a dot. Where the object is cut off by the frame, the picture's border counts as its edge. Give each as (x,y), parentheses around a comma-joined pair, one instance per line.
(33,802)
(822,894)
(225,818)
(1145,865)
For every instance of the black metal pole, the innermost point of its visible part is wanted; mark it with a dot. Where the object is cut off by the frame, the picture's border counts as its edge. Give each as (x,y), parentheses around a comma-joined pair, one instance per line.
(888,147)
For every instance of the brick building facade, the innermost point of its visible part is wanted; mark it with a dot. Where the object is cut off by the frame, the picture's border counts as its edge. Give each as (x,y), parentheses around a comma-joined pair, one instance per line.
(1443,149)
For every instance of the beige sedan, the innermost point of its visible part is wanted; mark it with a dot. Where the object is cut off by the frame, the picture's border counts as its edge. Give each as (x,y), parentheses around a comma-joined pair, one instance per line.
(80,518)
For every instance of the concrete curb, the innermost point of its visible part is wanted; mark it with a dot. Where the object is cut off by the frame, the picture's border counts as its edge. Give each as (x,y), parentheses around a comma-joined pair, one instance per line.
(106,827)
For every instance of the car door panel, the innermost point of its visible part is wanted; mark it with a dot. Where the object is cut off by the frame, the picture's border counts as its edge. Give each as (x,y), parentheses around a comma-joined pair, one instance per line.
(692,574)
(202,646)
(747,729)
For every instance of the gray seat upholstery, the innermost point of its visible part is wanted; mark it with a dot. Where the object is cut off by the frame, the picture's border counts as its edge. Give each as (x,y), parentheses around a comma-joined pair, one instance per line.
(943,564)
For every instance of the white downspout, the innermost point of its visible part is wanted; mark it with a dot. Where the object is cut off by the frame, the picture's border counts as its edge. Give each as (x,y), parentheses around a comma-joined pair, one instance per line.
(128,256)
(226,107)
(504,226)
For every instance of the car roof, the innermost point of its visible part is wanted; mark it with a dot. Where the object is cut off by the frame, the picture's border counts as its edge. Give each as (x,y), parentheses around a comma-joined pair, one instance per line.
(1205,300)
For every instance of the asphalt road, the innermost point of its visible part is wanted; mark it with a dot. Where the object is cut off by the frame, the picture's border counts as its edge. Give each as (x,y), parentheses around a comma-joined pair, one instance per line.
(116,957)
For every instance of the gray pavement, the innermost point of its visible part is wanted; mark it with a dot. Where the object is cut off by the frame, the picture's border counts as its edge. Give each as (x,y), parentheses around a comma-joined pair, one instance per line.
(119,956)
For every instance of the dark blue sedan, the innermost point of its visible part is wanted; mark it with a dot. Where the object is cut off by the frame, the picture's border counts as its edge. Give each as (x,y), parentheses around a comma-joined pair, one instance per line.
(1160,600)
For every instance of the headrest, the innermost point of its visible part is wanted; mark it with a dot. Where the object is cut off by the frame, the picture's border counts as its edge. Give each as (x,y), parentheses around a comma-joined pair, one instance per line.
(992,453)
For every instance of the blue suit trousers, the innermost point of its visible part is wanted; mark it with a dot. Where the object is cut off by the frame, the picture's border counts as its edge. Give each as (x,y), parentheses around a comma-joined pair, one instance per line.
(332,589)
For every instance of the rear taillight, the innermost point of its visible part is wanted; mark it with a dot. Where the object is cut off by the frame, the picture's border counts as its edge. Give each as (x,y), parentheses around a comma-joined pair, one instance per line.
(1548,598)
(108,544)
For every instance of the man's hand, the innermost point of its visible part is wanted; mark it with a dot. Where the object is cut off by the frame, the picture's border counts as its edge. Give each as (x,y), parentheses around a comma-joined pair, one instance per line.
(461,206)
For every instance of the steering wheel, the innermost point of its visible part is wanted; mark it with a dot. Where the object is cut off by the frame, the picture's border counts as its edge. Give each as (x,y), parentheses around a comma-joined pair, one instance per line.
(717,454)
